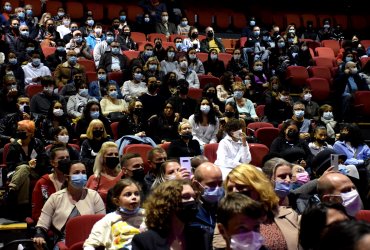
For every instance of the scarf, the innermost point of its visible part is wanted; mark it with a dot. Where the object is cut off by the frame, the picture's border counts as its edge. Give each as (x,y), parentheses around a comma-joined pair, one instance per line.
(330,124)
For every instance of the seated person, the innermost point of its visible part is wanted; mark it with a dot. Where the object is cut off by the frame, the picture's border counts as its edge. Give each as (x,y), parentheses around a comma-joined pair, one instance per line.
(311,107)
(34,70)
(125,40)
(213,66)
(183,28)
(133,123)
(165,27)
(77,103)
(304,125)
(8,95)
(186,145)
(184,105)
(79,46)
(152,68)
(319,142)
(114,60)
(102,47)
(183,72)
(65,71)
(151,100)
(58,57)
(48,34)
(158,50)
(211,42)
(279,108)
(95,37)
(111,105)
(136,86)
(194,62)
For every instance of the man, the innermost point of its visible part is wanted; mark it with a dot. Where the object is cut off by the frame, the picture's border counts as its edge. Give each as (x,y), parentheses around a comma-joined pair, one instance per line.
(211,42)
(311,107)
(156,157)
(67,37)
(78,44)
(8,95)
(35,70)
(144,55)
(113,60)
(303,124)
(153,102)
(95,37)
(58,57)
(13,31)
(127,43)
(65,72)
(208,183)
(64,28)
(165,27)
(103,47)
(338,188)
(184,105)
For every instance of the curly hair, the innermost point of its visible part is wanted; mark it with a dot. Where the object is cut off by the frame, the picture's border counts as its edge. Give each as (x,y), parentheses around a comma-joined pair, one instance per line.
(162,203)
(246,174)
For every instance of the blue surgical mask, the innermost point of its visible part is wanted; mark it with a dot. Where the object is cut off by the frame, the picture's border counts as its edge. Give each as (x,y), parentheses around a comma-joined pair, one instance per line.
(21,15)
(128,211)
(78,180)
(36,62)
(299,113)
(213,195)
(146,19)
(72,60)
(90,22)
(113,94)
(327,115)
(148,53)
(102,77)
(29,12)
(214,57)
(252,23)
(238,94)
(83,92)
(94,114)
(122,18)
(184,23)
(110,39)
(205,109)
(171,54)
(25,33)
(61,49)
(256,33)
(152,67)
(13,61)
(8,8)
(349,59)
(138,76)
(282,188)
(258,68)
(78,39)
(30,49)
(115,51)
(281,44)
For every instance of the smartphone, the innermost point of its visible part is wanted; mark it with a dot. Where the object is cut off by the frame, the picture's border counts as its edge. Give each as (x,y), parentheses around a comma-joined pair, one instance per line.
(26,109)
(185,163)
(334,161)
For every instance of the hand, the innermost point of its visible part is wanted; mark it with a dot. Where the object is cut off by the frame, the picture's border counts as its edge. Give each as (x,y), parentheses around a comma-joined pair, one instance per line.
(183,174)
(177,117)
(141,134)
(12,93)
(303,163)
(346,71)
(216,108)
(39,241)
(209,73)
(243,137)
(304,136)
(32,163)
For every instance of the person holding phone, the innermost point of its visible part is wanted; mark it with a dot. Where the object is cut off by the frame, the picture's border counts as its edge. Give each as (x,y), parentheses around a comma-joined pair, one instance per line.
(233,149)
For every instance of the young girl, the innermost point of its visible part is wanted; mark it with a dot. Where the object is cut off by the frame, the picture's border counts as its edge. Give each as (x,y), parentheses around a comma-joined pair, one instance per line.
(116,229)
(319,144)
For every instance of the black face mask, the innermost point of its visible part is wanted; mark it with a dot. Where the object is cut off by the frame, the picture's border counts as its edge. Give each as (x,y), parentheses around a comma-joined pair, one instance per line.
(172,82)
(158,45)
(51,29)
(344,137)
(22,135)
(138,111)
(211,95)
(321,141)
(152,88)
(111,162)
(188,211)
(184,90)
(138,174)
(158,165)
(126,33)
(97,133)
(116,26)
(194,35)
(210,34)
(229,114)
(186,136)
(293,134)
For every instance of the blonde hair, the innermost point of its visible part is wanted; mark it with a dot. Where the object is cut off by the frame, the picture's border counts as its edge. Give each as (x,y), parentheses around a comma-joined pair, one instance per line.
(89,132)
(182,124)
(246,174)
(98,163)
(151,59)
(239,85)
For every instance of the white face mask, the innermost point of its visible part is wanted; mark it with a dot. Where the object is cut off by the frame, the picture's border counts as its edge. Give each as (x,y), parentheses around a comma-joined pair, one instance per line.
(58,112)
(63,138)
(246,241)
(327,115)
(184,64)
(352,202)
(307,97)
(237,134)
(171,177)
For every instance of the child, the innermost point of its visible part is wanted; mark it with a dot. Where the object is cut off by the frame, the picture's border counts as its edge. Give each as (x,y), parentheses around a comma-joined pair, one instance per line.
(239,218)
(319,144)
(116,229)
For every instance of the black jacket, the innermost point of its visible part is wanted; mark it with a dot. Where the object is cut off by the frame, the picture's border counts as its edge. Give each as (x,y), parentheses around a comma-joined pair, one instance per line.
(179,148)
(106,61)
(204,45)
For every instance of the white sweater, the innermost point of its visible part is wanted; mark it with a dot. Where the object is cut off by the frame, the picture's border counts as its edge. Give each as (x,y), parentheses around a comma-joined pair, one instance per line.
(204,135)
(31,72)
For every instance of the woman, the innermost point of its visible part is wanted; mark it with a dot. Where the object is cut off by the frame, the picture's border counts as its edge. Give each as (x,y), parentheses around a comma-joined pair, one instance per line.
(224,90)
(204,122)
(209,91)
(233,149)
(61,139)
(315,221)
(304,57)
(168,88)
(194,62)
(168,209)
(45,16)
(170,170)
(14,67)
(152,68)
(116,229)
(133,122)
(280,229)
(213,66)
(351,144)
(107,170)
(259,82)
(192,41)
(136,87)
(245,106)
(111,106)
(92,111)
(279,56)
(231,111)
(237,65)
(185,146)
(77,103)
(169,63)
(72,201)
(163,128)
(96,135)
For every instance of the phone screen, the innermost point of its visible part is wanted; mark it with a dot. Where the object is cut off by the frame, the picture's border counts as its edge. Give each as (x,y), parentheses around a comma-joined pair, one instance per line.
(334,161)
(26,109)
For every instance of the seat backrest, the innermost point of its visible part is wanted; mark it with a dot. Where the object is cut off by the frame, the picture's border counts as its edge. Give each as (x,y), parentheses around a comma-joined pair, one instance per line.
(114,127)
(260,110)
(141,149)
(205,79)
(210,151)
(112,10)
(32,90)
(88,64)
(225,58)
(153,36)
(116,76)
(365,43)
(75,10)
(131,54)
(79,228)
(253,126)
(138,36)
(165,145)
(325,52)
(258,151)
(364,60)
(173,36)
(297,72)
(52,7)
(324,62)
(322,72)
(97,9)
(309,17)
(320,88)
(266,135)
(363,98)
(331,44)
(239,20)
(293,19)
(202,56)
(195,93)
(363,215)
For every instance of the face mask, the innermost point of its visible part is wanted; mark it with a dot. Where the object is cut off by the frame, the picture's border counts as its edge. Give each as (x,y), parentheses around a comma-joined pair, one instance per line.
(13,61)
(205,109)
(184,90)
(304,48)
(138,111)
(122,18)
(210,34)
(25,33)
(8,8)
(299,113)
(48,90)
(21,107)
(213,195)
(327,115)
(194,35)
(97,133)
(67,22)
(113,94)
(78,39)
(281,44)
(187,211)
(354,71)
(152,67)
(98,31)
(58,112)
(236,57)
(102,77)
(214,57)
(349,59)
(148,53)
(60,14)
(30,49)
(291,31)
(158,45)
(258,68)
(170,54)
(90,22)
(110,39)
(307,97)
(352,202)
(303,178)
(290,40)
(187,136)
(63,138)
(152,88)
(265,38)
(138,76)
(115,51)
(129,211)
(236,134)
(146,19)
(293,134)
(171,177)
(138,174)
(29,12)
(83,92)
(283,98)
(252,23)
(275,86)
(22,135)
(246,241)
(78,180)
(111,162)
(192,57)
(282,188)
(178,45)
(184,23)
(164,18)
(238,94)
(21,15)
(326,26)
(184,64)
(94,114)
(61,49)
(211,95)
(36,62)
(72,60)
(73,29)
(256,33)
(229,114)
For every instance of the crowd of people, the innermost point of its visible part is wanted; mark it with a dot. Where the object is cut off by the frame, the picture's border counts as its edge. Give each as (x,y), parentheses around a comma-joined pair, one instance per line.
(65,159)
